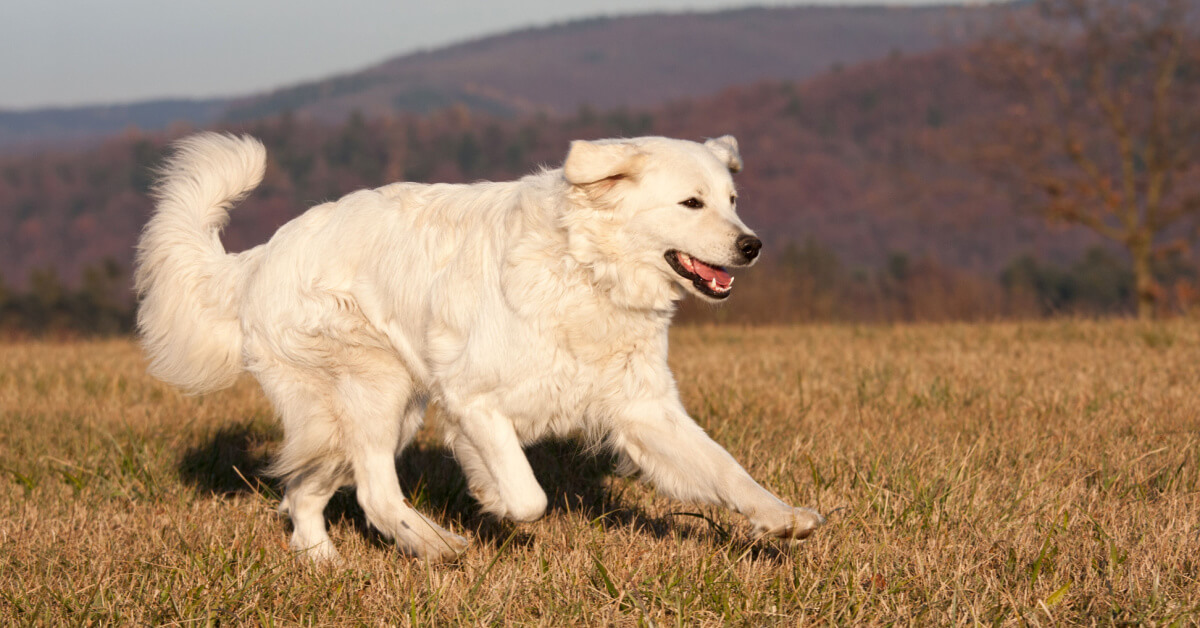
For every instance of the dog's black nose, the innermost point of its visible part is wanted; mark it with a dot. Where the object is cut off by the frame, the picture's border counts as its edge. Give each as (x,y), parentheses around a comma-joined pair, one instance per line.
(749,246)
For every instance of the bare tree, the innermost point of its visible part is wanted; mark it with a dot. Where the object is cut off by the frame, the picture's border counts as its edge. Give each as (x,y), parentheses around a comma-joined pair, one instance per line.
(1103,125)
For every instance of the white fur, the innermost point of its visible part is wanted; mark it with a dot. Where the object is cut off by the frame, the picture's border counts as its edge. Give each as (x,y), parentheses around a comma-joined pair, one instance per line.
(526,309)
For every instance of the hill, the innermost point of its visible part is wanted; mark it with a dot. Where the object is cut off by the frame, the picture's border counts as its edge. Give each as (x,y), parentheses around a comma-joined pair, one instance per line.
(633,61)
(28,131)
(869,161)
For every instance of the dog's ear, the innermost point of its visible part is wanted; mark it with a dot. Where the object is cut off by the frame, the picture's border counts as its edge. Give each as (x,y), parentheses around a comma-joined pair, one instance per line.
(592,162)
(726,149)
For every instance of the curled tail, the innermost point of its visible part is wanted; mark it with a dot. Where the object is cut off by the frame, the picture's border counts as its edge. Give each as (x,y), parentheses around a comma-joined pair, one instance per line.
(188,285)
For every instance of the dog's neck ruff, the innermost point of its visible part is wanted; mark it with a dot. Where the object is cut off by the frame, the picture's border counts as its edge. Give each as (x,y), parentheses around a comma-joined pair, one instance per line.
(626,278)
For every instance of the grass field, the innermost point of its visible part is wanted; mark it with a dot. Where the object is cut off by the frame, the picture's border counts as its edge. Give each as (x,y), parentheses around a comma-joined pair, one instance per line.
(1016,473)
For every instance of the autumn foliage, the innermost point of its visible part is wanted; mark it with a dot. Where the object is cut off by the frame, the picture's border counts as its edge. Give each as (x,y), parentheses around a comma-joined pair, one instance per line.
(874,188)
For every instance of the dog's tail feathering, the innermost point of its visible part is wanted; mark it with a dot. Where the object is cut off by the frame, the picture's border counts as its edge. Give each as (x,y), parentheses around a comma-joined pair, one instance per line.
(188,285)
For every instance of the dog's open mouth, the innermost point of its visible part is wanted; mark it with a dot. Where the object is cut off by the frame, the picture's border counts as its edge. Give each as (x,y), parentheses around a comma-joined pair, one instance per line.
(709,279)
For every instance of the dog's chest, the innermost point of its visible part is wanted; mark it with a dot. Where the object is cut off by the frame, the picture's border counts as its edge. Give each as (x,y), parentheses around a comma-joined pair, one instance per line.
(573,378)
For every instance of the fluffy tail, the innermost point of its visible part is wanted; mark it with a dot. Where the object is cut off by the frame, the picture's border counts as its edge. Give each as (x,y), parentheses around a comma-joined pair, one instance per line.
(188,285)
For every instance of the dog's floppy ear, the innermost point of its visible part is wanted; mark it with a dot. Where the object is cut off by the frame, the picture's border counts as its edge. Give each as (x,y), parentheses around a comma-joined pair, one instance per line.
(591,162)
(726,149)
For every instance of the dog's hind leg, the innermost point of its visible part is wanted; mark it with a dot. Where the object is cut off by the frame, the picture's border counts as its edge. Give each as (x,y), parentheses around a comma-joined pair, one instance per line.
(393,515)
(342,429)
(310,461)
(379,415)
(498,473)
(306,497)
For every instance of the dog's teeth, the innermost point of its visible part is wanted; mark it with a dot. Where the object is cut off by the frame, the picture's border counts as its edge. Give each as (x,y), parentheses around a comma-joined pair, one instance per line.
(718,288)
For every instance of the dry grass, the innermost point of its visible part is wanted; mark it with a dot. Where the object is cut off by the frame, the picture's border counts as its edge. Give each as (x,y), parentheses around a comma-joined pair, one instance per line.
(1042,473)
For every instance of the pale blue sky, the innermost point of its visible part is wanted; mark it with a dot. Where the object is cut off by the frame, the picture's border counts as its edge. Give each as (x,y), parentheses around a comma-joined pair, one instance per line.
(71,52)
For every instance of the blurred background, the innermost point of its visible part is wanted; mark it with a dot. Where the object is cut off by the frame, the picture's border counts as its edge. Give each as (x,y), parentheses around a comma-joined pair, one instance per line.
(904,162)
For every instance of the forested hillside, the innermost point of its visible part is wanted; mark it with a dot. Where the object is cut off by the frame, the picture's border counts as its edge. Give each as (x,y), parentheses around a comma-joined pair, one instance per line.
(869,161)
(873,186)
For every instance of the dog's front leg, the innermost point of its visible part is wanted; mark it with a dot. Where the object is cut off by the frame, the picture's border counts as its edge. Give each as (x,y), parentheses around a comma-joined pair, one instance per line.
(675,455)
(498,473)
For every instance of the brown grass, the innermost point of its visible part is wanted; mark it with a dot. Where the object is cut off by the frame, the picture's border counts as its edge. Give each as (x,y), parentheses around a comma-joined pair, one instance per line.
(1040,473)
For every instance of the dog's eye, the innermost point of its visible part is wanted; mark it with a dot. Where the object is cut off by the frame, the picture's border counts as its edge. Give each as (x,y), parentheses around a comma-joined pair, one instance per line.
(692,203)
(733,200)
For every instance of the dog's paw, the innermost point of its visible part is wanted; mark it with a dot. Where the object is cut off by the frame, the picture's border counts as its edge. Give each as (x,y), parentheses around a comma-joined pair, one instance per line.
(431,542)
(321,553)
(792,524)
(448,546)
(531,508)
(519,509)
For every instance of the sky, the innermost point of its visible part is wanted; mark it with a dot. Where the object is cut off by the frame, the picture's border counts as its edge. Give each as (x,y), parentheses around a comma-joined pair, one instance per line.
(77,52)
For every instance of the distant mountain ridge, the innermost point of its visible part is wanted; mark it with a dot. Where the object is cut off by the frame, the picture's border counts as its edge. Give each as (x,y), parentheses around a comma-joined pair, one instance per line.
(871,162)
(631,61)
(625,62)
(35,128)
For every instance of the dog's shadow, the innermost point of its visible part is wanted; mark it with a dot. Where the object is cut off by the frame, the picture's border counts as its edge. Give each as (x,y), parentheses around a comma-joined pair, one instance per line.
(234,460)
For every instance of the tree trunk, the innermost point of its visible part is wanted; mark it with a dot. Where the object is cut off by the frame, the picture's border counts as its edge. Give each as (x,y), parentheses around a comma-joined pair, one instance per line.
(1145,288)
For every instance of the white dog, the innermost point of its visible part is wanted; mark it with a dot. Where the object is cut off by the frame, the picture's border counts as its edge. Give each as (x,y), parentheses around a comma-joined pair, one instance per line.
(526,309)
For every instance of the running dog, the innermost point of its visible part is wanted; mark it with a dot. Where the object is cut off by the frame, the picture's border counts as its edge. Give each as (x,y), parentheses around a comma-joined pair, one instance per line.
(527,309)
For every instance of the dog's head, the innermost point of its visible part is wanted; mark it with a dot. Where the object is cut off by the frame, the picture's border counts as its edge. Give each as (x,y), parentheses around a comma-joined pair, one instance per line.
(670,207)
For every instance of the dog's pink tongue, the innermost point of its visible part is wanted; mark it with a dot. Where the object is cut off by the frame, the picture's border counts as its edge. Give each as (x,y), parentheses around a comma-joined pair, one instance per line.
(708,272)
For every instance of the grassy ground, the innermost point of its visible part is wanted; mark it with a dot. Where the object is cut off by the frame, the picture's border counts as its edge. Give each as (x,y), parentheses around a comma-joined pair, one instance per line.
(1040,473)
